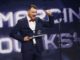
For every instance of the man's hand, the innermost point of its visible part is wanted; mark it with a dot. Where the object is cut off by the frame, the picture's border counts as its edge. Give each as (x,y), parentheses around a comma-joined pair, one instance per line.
(49,13)
(27,38)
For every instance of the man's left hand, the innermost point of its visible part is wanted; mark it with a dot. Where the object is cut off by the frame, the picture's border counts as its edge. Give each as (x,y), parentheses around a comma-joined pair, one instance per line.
(49,13)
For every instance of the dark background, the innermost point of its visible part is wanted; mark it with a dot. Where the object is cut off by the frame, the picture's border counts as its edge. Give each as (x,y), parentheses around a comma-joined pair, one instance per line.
(72,53)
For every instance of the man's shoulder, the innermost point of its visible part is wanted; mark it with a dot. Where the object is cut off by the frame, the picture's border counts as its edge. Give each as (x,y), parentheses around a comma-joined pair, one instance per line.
(23,19)
(39,19)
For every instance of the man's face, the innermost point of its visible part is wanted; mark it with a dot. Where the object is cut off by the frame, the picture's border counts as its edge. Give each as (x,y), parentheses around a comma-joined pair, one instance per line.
(32,13)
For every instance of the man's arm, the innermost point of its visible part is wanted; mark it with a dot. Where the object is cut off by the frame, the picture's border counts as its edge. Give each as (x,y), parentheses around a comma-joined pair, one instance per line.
(50,22)
(15,32)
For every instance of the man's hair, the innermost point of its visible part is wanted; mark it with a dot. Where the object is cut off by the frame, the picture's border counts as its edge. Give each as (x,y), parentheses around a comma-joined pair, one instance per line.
(31,6)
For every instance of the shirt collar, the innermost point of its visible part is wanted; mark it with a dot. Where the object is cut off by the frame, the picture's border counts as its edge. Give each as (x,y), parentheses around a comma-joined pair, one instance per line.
(28,18)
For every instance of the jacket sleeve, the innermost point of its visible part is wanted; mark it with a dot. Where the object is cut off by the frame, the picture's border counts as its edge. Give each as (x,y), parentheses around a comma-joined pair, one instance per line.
(48,23)
(15,32)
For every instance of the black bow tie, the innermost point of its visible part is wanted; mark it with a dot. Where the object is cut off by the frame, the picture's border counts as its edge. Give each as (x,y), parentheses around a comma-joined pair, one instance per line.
(31,20)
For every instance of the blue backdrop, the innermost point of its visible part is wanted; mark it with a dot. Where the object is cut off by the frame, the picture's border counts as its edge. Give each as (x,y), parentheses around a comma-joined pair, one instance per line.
(61,41)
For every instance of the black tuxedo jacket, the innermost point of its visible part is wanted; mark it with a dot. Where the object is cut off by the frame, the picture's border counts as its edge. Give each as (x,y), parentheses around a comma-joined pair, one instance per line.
(21,29)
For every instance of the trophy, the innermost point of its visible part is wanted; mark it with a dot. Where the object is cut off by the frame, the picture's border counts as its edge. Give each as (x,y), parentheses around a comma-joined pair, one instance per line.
(38,34)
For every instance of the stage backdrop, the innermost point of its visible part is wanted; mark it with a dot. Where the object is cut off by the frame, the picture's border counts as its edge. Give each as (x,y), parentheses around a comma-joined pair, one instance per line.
(60,42)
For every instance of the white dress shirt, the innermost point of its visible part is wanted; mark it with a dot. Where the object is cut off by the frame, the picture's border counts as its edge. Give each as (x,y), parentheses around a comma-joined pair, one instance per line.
(32,26)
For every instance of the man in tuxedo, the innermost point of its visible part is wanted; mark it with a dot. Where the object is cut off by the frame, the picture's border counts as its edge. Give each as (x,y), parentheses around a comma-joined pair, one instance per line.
(24,30)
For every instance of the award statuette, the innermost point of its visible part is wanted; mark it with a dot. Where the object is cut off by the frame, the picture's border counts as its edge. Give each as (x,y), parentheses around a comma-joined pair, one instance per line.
(38,34)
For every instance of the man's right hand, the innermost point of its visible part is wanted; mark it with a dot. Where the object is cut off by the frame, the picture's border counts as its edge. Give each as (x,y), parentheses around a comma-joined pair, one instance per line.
(27,38)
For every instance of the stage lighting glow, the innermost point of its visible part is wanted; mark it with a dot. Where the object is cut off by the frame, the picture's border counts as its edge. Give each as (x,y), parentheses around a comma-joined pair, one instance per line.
(8,43)
(17,46)
(65,15)
(8,17)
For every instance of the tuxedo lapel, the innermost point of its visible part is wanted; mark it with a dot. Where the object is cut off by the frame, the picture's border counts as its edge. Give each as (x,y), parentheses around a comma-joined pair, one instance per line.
(27,28)
(38,27)
(26,22)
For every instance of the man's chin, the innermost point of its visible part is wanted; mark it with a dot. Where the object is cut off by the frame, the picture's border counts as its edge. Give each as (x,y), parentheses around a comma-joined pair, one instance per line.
(33,18)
